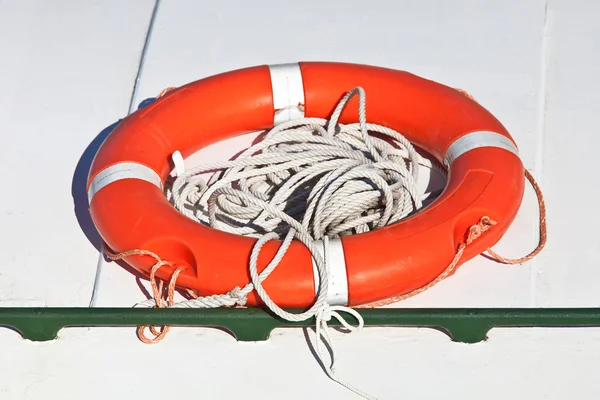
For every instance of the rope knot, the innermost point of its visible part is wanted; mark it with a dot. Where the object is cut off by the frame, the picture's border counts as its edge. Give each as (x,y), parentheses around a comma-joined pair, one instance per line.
(238,295)
(324,314)
(475,231)
(486,222)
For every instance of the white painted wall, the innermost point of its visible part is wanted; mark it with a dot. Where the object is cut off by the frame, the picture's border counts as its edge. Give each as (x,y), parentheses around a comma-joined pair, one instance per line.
(568,273)
(66,73)
(533,64)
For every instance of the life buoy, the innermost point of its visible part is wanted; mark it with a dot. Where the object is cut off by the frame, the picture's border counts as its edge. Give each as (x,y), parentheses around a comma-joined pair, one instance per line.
(130,211)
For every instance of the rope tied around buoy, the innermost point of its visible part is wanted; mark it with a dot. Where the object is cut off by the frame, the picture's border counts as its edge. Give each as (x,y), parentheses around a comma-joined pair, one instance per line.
(345,182)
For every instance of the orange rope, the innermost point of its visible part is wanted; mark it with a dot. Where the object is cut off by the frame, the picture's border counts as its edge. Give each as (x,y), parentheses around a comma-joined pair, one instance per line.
(542,214)
(542,229)
(475,232)
(165,91)
(157,290)
(465,93)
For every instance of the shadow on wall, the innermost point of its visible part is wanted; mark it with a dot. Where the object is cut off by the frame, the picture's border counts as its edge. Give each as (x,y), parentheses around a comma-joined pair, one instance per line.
(79,182)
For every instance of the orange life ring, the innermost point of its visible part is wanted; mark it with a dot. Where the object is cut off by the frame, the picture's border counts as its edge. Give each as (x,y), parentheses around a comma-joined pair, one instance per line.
(486,177)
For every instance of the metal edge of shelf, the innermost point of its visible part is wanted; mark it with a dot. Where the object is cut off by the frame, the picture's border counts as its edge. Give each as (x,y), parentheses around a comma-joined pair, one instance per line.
(466,325)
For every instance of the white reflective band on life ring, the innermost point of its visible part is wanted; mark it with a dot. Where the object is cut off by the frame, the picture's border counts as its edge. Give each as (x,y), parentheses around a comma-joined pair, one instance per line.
(335,264)
(288,92)
(476,140)
(124,170)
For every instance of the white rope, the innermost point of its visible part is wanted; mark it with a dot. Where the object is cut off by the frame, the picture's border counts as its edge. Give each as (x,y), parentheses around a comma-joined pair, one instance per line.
(308,179)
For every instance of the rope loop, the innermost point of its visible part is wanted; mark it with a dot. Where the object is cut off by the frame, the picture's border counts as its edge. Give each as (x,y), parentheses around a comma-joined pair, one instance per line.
(156,287)
(542,228)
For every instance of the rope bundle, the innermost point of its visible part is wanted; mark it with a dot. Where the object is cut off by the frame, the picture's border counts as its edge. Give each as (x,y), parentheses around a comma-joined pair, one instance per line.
(309,179)
(316,176)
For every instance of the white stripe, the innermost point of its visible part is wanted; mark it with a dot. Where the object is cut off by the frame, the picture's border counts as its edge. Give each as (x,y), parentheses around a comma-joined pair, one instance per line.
(476,140)
(124,170)
(335,265)
(288,92)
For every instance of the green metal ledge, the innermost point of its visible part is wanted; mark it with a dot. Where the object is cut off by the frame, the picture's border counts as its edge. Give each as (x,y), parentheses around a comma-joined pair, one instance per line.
(466,325)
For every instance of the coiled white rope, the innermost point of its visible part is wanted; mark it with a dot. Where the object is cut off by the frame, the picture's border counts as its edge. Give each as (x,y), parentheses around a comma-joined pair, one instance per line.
(307,179)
